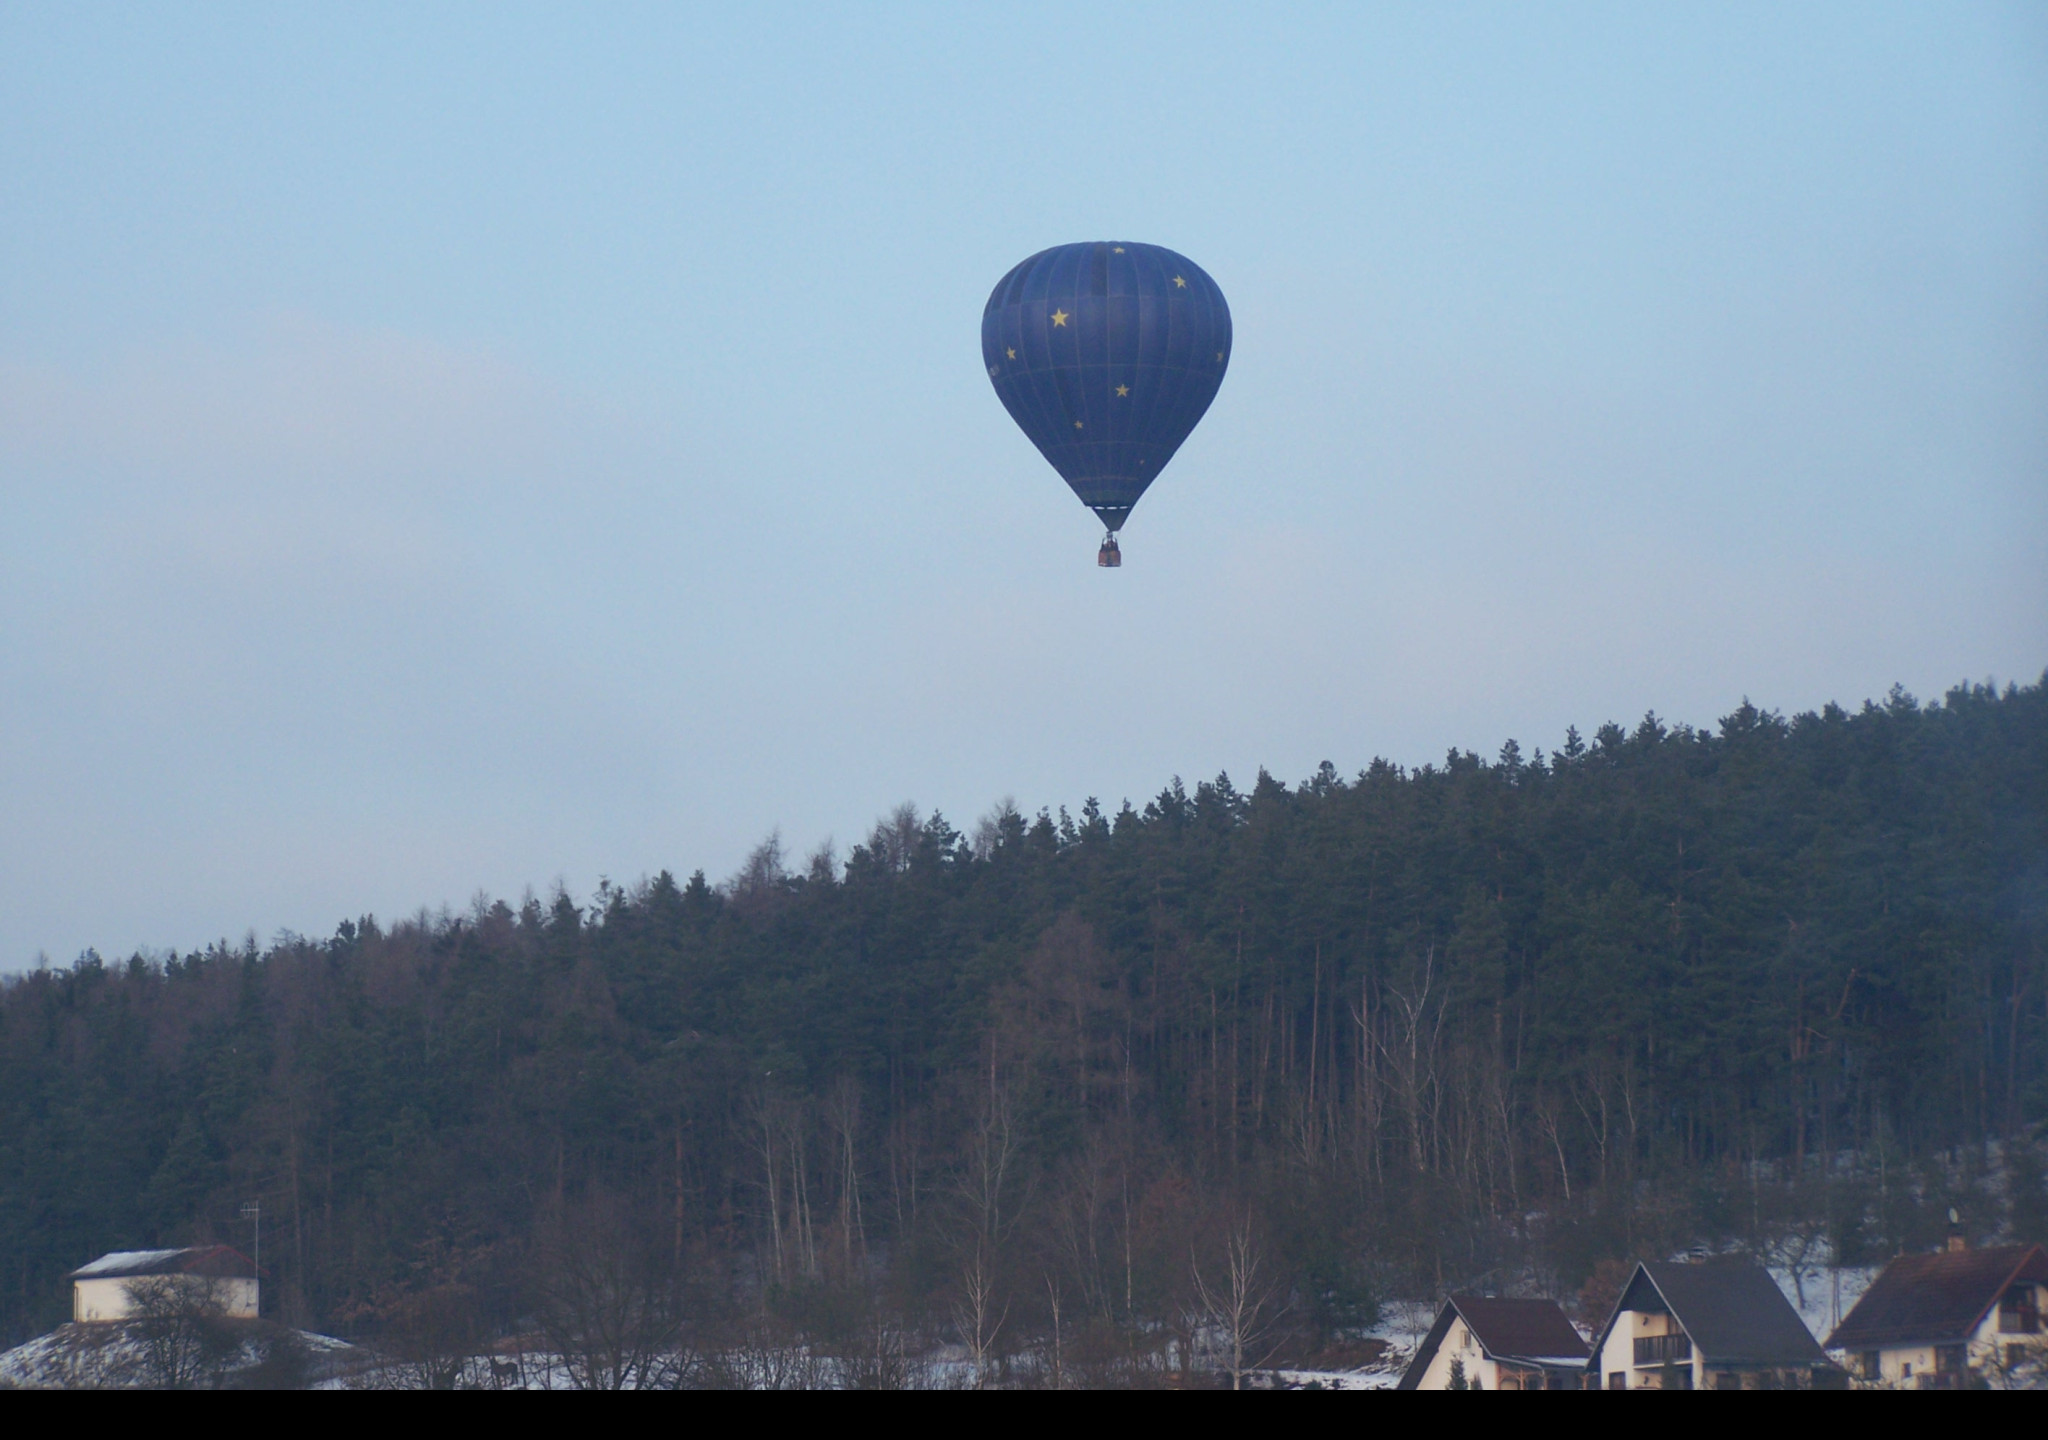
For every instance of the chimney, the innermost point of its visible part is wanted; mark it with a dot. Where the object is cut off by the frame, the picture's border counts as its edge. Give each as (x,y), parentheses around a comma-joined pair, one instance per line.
(1956,1242)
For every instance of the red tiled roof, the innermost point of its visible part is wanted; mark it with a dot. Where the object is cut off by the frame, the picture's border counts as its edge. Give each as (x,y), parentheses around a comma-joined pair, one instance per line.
(1928,1299)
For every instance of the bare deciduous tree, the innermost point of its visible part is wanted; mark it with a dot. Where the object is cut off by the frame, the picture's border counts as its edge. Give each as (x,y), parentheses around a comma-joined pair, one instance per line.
(1242,1309)
(608,1297)
(979,1310)
(843,1113)
(1059,1372)
(1420,1013)
(181,1326)
(979,1313)
(760,1354)
(433,1337)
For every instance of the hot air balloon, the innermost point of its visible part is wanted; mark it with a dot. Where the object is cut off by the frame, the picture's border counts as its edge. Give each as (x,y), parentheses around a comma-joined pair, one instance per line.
(1106,354)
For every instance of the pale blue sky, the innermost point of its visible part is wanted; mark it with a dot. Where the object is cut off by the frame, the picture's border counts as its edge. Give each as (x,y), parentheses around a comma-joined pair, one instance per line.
(453,448)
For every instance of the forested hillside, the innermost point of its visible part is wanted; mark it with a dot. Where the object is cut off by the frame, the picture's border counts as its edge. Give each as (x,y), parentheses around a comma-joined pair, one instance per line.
(1781,984)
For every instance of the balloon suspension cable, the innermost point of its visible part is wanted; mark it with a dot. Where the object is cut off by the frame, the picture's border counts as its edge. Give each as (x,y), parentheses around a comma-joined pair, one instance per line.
(1109,557)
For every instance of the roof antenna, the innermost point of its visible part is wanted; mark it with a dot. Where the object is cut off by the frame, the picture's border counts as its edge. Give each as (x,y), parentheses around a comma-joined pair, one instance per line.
(1956,1242)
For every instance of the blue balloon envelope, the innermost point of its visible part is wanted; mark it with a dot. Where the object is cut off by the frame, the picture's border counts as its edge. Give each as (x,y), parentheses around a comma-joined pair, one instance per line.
(1106,354)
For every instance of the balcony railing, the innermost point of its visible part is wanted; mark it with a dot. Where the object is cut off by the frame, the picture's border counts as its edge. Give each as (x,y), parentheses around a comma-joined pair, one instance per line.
(1663,1349)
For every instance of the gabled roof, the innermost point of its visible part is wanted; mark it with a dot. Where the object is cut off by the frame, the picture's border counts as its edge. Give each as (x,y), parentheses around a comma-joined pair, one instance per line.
(1521,1329)
(1533,1332)
(1730,1308)
(217,1261)
(1929,1299)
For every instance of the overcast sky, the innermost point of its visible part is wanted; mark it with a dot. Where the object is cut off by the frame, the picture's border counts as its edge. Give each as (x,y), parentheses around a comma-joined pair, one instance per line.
(448,449)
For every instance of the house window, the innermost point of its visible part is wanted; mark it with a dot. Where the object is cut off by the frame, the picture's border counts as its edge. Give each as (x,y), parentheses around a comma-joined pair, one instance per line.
(1662,1349)
(1949,1359)
(1617,1380)
(1873,1365)
(2019,1313)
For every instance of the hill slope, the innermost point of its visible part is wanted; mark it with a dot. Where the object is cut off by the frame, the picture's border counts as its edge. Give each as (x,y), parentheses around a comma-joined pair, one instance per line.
(1414,1026)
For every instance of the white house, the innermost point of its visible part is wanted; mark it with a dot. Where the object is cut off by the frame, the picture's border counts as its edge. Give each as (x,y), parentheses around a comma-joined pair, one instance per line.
(104,1290)
(1950,1321)
(1719,1324)
(1498,1345)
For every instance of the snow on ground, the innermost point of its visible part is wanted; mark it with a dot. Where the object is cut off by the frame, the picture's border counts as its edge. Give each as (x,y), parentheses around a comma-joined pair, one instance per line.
(1328,1379)
(114,1357)
(1383,1354)
(1829,1294)
(1404,1323)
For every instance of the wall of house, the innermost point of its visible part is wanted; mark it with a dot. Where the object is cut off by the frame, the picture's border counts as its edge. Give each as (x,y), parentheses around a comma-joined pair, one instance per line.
(1459,1344)
(1906,1366)
(1899,1364)
(1989,1341)
(1619,1353)
(108,1299)
(99,1300)
(1992,1350)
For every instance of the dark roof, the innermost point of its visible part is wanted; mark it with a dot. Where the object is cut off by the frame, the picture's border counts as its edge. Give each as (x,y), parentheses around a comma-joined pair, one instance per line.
(1534,1331)
(1925,1299)
(218,1261)
(1520,1329)
(1732,1310)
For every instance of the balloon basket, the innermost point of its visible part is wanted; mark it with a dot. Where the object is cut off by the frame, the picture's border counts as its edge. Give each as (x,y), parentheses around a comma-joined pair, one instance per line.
(1109,557)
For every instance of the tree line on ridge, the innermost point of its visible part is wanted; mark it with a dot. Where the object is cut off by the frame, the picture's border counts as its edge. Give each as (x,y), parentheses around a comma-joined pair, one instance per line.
(1779,984)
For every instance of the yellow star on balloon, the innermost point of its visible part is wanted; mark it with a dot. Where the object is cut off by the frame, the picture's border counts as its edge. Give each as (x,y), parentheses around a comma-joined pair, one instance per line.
(1013,354)
(1123,390)
(1118,250)
(1180,282)
(1059,317)
(1077,424)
